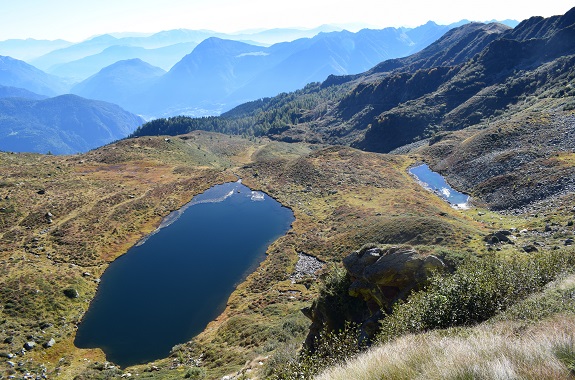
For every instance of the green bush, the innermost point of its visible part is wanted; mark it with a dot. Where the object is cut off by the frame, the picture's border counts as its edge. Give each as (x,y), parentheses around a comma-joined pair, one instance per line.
(475,292)
(195,373)
(332,348)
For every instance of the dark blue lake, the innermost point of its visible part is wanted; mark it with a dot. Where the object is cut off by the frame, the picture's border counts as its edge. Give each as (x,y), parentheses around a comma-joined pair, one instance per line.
(165,291)
(436,183)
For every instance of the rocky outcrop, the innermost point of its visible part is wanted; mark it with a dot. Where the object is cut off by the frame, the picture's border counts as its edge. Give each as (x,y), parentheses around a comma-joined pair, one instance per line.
(49,343)
(382,277)
(375,279)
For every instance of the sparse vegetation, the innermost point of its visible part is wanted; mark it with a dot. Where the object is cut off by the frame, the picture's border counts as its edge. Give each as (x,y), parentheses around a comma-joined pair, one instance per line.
(332,348)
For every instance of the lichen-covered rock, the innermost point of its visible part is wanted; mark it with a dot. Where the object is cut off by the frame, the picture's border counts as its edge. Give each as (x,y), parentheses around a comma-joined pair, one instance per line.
(381,277)
(49,343)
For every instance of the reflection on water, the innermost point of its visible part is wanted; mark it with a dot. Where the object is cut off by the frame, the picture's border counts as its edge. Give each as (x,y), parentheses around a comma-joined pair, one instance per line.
(214,195)
(435,182)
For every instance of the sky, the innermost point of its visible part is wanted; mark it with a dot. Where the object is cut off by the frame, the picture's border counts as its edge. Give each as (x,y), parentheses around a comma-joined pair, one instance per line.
(76,20)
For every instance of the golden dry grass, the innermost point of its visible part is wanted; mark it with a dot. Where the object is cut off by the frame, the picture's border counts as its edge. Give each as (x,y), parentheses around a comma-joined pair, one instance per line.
(500,351)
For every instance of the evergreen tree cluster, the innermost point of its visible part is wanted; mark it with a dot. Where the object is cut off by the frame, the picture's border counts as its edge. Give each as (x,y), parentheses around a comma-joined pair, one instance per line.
(267,116)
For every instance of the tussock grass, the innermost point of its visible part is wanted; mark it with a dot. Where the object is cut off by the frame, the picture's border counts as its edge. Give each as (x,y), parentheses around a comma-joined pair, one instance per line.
(500,351)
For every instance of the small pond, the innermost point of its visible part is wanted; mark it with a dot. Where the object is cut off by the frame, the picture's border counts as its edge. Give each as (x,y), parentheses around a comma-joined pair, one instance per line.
(435,182)
(166,289)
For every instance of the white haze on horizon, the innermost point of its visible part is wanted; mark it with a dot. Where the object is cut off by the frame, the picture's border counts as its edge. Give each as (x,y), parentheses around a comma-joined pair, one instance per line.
(77,20)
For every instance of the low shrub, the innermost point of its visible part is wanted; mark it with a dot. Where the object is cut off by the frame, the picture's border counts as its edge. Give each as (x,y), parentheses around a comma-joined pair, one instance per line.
(476,291)
(195,373)
(332,348)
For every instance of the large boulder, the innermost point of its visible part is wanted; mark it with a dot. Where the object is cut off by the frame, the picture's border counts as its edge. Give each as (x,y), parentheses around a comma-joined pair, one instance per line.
(383,276)
(375,279)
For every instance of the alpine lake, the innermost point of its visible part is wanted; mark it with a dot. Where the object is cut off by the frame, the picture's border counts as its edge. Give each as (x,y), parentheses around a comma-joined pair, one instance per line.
(435,182)
(168,287)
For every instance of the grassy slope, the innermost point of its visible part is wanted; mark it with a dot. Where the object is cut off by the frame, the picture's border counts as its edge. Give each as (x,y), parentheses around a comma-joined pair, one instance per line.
(102,203)
(342,198)
(111,197)
(532,340)
(521,161)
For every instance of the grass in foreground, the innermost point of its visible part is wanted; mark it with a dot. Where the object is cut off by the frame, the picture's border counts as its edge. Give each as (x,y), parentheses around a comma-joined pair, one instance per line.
(500,351)
(515,291)
(533,339)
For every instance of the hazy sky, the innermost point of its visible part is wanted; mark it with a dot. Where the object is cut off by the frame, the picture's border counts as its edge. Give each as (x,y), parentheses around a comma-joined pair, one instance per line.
(75,20)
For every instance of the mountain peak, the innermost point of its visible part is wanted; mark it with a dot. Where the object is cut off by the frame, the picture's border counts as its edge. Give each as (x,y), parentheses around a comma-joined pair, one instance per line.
(104,38)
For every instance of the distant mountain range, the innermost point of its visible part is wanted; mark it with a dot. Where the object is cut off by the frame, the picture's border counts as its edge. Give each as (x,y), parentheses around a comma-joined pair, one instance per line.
(160,49)
(215,74)
(163,57)
(219,73)
(472,74)
(61,125)
(30,48)
(16,73)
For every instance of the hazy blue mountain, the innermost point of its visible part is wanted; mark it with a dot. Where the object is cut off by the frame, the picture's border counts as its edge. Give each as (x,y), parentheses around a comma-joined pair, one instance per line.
(471,75)
(336,53)
(125,82)
(427,34)
(16,73)
(164,57)
(74,52)
(258,37)
(277,35)
(15,92)
(30,48)
(203,78)
(61,125)
(163,39)
(169,37)
(219,74)
(98,44)
(508,22)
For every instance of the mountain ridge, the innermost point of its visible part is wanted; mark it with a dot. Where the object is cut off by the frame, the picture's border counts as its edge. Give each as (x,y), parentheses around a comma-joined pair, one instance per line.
(240,72)
(457,81)
(17,73)
(64,124)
